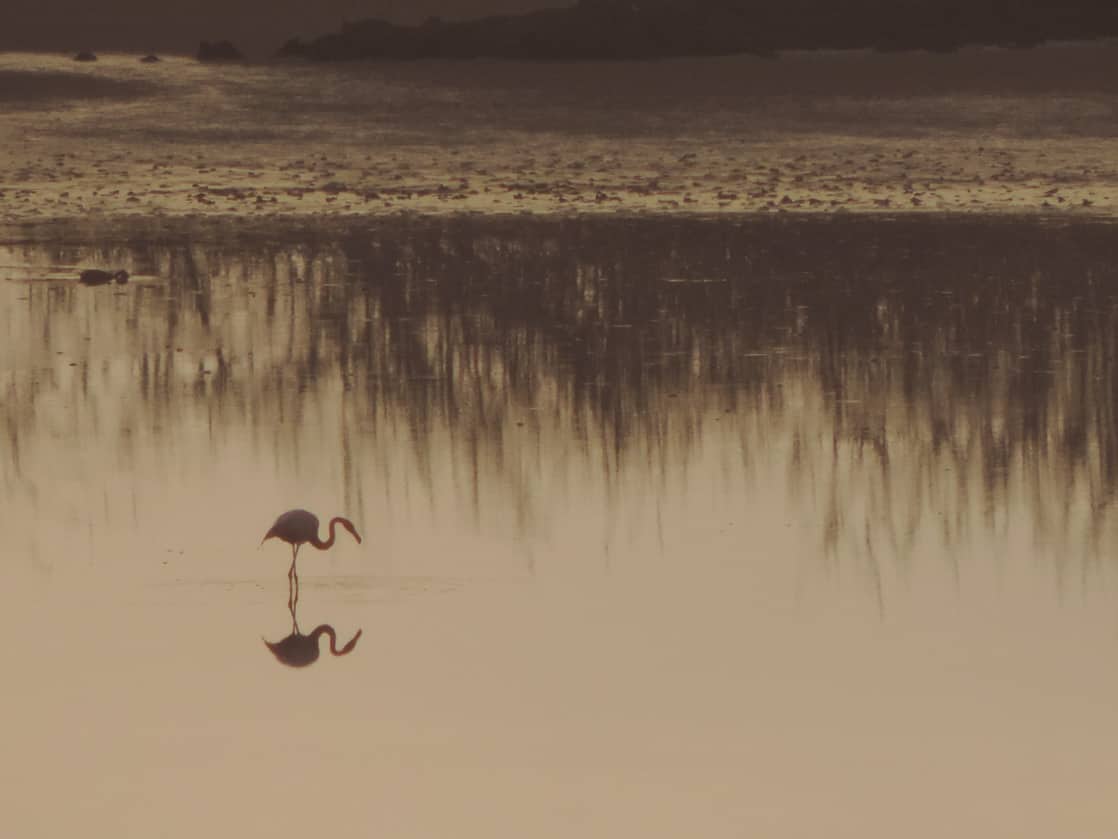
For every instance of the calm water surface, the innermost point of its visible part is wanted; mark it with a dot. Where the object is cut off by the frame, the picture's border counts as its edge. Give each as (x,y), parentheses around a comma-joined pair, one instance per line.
(672,527)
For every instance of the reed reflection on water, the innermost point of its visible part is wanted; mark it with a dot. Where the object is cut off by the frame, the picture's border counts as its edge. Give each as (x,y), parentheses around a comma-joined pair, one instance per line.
(890,388)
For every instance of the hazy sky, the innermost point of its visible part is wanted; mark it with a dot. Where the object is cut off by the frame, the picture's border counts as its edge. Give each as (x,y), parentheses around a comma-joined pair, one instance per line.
(257,26)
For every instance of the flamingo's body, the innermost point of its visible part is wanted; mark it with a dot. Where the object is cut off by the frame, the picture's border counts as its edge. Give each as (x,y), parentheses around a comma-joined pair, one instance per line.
(299,527)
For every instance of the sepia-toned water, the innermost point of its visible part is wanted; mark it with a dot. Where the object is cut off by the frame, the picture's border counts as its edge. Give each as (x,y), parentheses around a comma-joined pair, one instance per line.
(732,442)
(715,527)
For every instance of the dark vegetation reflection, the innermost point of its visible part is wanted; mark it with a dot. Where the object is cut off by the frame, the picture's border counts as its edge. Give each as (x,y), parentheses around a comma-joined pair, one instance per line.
(299,650)
(914,369)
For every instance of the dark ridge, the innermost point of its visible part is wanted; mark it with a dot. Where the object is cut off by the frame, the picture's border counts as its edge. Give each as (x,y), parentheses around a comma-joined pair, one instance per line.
(642,29)
(218,51)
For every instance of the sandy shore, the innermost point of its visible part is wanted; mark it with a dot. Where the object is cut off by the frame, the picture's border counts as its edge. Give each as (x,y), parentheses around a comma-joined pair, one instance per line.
(982,133)
(56,180)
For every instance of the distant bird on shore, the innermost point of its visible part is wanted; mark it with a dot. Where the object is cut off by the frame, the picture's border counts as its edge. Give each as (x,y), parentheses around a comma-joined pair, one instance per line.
(95,276)
(298,527)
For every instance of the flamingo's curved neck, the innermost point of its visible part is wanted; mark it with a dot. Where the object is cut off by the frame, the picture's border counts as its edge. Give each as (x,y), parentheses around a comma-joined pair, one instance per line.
(322,546)
(318,543)
(327,630)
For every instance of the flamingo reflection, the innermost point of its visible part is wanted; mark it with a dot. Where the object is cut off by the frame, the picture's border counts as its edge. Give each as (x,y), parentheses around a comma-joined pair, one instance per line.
(299,650)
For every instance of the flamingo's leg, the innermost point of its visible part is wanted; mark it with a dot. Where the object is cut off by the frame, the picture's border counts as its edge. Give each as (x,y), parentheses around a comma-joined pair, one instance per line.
(295,576)
(292,602)
(292,578)
(295,601)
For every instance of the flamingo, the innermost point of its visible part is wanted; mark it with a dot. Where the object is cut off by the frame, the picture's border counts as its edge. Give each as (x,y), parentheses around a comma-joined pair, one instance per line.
(297,527)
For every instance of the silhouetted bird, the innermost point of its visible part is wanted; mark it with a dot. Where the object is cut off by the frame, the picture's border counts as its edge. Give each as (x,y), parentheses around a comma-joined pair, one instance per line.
(95,276)
(85,55)
(149,59)
(297,527)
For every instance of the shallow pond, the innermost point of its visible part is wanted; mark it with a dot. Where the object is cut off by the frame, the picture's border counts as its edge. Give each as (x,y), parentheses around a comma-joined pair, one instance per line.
(670,527)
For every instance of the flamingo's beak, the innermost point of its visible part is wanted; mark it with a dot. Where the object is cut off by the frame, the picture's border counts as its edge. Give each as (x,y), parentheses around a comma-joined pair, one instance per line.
(348,648)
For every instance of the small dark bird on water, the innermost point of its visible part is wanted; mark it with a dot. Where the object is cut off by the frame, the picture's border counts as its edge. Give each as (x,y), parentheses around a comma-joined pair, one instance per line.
(95,276)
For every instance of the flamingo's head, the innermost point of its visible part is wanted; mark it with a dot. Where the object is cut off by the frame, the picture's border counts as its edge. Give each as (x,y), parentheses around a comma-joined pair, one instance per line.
(348,648)
(348,525)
